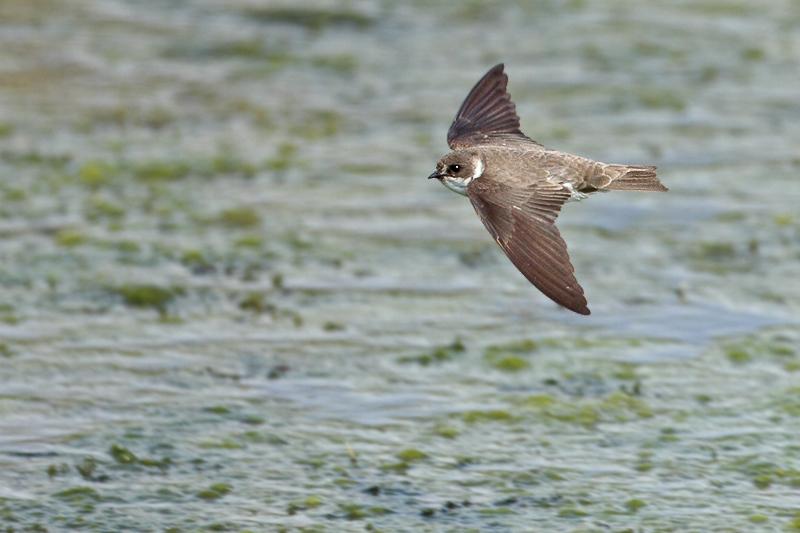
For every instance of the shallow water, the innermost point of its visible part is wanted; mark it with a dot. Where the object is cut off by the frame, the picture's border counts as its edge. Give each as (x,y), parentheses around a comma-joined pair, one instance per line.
(231,301)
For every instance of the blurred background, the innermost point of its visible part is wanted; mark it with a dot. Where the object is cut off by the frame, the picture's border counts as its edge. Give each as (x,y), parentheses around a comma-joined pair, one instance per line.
(232,301)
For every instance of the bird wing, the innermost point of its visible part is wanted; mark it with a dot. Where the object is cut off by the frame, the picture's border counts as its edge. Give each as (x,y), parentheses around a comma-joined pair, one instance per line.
(487,116)
(522,221)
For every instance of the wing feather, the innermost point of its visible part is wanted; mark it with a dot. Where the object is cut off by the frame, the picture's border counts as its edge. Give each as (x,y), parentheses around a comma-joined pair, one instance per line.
(487,115)
(521,220)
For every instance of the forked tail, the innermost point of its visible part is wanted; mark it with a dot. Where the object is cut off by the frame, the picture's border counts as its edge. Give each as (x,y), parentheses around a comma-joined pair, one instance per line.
(632,178)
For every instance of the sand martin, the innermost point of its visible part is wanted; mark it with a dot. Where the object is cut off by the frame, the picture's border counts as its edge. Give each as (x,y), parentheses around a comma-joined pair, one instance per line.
(517,186)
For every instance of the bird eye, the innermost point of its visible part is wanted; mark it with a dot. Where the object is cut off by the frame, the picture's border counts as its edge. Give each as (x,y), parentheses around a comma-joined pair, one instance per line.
(455,169)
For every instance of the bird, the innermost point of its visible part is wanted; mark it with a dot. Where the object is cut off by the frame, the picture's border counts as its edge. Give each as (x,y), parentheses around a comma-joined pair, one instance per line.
(517,186)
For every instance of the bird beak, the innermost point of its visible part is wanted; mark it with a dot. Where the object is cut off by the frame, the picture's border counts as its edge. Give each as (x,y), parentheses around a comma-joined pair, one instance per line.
(436,175)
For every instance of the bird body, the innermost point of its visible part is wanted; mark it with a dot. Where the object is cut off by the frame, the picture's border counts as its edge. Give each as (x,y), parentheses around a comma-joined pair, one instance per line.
(522,165)
(518,186)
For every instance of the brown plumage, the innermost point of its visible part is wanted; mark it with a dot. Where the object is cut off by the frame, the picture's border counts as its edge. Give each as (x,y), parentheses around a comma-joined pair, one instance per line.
(517,186)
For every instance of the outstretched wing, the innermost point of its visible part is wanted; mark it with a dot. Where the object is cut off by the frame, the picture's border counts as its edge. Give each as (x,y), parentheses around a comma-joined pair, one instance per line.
(521,220)
(487,115)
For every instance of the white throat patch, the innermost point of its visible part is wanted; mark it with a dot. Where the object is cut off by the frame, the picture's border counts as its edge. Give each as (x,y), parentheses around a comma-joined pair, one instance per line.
(478,170)
(459,185)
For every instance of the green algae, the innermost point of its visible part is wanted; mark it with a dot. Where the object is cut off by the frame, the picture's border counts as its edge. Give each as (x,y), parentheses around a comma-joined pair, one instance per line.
(489,415)
(162,464)
(737,355)
(794,523)
(618,406)
(633,505)
(719,8)
(703,398)
(55,470)
(523,346)
(5,350)
(784,219)
(122,116)
(730,216)
(668,434)
(771,347)
(269,56)
(70,238)
(260,437)
(239,217)
(310,18)
(161,171)
(340,63)
(762,481)
(125,457)
(496,511)
(226,164)
(14,195)
(318,124)
(249,241)
(764,474)
(583,415)
(644,461)
(36,158)
(440,354)
(509,363)
(217,410)
(312,501)
(622,405)
(102,208)
(221,444)
(196,260)
(657,98)
(713,251)
(472,10)
(247,48)
(95,174)
(447,432)
(411,455)
(508,357)
(147,296)
(353,511)
(87,468)
(753,53)
(625,372)
(215,491)
(538,401)
(572,512)
(98,174)
(307,503)
(78,495)
(256,302)
(399,467)
(285,158)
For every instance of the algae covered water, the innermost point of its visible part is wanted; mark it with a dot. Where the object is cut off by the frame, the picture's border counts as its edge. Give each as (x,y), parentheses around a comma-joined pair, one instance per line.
(231,301)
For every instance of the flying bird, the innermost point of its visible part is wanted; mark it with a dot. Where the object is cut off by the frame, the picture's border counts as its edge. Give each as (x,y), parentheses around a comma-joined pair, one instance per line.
(517,186)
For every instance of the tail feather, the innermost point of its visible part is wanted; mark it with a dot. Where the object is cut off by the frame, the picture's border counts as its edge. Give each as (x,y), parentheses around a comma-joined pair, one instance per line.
(632,178)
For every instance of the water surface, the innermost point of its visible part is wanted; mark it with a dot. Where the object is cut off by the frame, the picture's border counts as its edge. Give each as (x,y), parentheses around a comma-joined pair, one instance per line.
(231,301)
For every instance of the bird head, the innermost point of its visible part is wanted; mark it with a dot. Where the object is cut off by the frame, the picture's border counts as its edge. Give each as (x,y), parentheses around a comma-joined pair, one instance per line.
(457,169)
